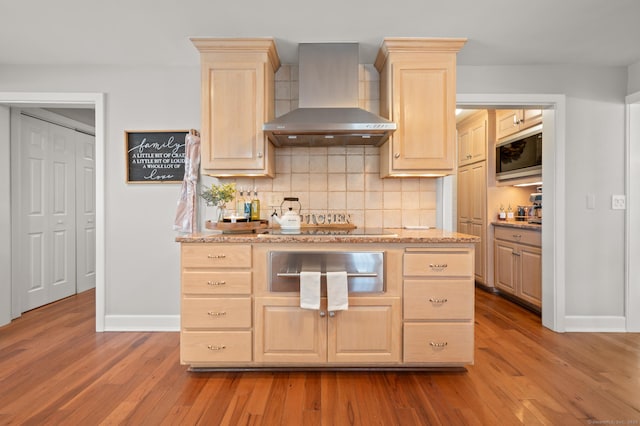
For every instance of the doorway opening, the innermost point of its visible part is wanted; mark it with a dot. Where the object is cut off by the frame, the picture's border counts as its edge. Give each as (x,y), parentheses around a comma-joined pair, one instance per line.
(95,101)
(552,233)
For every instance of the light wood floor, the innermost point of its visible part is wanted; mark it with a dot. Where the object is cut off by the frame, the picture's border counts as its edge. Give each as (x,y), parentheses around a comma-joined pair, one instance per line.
(54,369)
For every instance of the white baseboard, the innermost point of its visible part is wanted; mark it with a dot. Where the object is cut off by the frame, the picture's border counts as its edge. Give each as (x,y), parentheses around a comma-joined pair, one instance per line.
(142,323)
(593,324)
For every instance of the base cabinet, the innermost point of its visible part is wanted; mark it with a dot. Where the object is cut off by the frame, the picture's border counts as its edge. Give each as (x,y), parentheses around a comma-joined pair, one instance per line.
(518,263)
(368,332)
(230,318)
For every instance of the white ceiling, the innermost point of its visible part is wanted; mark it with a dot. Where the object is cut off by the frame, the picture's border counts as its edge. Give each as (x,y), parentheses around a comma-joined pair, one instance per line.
(499,32)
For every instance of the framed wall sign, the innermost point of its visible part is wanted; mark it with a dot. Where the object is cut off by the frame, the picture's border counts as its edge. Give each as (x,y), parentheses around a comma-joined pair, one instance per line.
(155,156)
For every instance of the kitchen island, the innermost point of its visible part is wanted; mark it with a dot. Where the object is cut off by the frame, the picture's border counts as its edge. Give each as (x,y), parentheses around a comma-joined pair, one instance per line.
(240,301)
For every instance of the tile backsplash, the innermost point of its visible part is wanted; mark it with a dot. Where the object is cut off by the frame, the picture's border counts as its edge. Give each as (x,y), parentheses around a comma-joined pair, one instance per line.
(341,179)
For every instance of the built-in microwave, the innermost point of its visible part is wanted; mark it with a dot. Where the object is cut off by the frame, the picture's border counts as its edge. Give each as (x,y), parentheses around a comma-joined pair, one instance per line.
(520,155)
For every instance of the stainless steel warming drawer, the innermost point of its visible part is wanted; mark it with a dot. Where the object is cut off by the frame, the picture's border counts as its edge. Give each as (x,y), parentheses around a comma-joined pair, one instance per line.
(365,270)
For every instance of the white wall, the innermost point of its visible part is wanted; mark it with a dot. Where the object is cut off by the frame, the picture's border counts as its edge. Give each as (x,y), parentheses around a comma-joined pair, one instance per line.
(634,78)
(142,261)
(5,218)
(594,164)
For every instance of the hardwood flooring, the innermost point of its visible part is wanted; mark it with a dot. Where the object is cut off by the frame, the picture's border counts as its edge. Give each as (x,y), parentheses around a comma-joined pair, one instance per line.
(54,369)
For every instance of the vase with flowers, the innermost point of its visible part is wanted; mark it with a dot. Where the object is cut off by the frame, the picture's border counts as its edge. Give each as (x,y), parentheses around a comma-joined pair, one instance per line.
(219,196)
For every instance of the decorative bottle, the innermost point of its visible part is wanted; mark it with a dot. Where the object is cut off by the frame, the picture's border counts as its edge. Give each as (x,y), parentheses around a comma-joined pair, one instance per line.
(255,206)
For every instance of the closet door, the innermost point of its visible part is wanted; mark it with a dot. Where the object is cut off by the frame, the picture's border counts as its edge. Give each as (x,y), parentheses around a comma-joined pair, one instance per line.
(47,243)
(85,212)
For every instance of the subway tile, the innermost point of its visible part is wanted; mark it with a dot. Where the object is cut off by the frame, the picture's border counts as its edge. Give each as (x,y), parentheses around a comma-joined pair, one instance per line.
(336,164)
(410,200)
(282,182)
(355,200)
(410,184)
(392,184)
(283,164)
(318,182)
(373,200)
(318,200)
(392,219)
(410,217)
(318,164)
(372,165)
(373,218)
(337,182)
(300,163)
(372,182)
(392,200)
(337,200)
(428,200)
(355,182)
(299,182)
(355,163)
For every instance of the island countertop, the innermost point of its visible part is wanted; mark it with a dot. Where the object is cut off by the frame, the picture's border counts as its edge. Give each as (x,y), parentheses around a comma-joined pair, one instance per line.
(391,235)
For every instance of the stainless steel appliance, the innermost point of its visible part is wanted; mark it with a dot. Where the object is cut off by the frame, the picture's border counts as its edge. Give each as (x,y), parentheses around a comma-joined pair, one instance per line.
(328,113)
(365,270)
(536,215)
(520,155)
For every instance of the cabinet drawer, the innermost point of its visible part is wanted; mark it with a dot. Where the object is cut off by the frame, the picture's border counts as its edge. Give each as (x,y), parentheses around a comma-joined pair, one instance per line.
(214,313)
(438,343)
(204,255)
(517,235)
(213,283)
(213,346)
(438,264)
(429,300)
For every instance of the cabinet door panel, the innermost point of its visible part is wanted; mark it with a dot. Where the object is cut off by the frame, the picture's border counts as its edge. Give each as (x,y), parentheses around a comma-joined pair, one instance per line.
(368,332)
(438,299)
(216,312)
(287,333)
(505,278)
(438,343)
(421,110)
(531,274)
(212,347)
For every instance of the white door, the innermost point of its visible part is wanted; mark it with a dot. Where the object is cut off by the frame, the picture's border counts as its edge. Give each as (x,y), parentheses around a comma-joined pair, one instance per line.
(48,240)
(85,212)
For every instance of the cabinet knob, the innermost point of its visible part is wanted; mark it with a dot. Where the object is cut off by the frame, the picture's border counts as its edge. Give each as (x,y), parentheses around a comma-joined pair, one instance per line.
(216,256)
(259,155)
(438,266)
(396,155)
(516,236)
(216,282)
(438,344)
(332,314)
(438,301)
(323,314)
(216,314)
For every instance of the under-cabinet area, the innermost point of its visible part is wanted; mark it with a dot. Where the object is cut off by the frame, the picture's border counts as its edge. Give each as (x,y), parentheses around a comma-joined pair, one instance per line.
(234,316)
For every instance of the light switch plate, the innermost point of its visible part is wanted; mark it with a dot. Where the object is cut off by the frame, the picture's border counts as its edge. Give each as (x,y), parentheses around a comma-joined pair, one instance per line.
(618,202)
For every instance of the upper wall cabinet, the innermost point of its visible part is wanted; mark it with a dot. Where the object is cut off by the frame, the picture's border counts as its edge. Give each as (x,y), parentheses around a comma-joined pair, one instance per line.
(511,121)
(418,92)
(472,138)
(238,88)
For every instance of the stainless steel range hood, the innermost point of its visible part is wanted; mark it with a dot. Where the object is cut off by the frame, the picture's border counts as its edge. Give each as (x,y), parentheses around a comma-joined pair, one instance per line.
(328,113)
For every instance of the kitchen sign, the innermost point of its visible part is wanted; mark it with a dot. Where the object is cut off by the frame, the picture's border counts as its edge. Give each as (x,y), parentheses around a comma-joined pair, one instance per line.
(155,156)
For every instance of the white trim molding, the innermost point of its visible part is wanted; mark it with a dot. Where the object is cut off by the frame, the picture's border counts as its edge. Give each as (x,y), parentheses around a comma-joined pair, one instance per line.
(632,213)
(96,101)
(595,324)
(142,323)
(553,180)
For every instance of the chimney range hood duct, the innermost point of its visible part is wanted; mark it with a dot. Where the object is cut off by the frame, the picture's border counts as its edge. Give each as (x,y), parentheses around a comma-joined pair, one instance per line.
(328,113)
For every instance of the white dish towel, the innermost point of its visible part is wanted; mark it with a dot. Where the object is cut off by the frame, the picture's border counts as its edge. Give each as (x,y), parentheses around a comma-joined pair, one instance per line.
(337,291)
(309,290)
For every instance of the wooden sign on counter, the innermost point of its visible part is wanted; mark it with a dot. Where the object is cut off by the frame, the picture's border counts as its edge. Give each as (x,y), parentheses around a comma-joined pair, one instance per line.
(155,156)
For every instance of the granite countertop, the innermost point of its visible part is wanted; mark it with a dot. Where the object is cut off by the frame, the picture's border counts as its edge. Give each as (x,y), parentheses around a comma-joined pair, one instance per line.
(422,236)
(518,224)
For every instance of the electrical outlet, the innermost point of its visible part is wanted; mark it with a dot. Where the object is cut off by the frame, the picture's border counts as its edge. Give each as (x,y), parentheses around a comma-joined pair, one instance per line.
(618,202)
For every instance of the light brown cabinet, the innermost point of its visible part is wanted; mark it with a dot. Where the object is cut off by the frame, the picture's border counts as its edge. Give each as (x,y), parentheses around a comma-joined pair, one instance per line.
(216,314)
(231,318)
(438,306)
(509,122)
(366,333)
(518,263)
(418,92)
(472,218)
(238,88)
(472,138)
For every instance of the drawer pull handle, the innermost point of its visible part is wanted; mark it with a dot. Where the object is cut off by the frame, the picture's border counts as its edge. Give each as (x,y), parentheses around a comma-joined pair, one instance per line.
(438,345)
(216,256)
(216,347)
(517,236)
(216,314)
(216,282)
(438,266)
(438,301)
